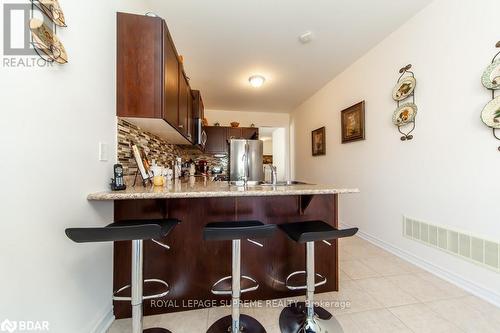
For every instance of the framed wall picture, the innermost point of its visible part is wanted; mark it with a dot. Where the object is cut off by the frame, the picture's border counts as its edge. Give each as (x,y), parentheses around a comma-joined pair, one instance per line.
(318,140)
(353,123)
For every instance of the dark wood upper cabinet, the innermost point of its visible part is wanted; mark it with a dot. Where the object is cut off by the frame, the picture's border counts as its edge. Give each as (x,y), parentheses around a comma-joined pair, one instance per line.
(218,137)
(250,133)
(151,83)
(198,107)
(198,110)
(139,66)
(233,133)
(190,119)
(183,103)
(216,140)
(171,80)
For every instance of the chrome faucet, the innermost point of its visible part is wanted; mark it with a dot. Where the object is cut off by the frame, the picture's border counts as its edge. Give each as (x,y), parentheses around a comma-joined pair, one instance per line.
(274,174)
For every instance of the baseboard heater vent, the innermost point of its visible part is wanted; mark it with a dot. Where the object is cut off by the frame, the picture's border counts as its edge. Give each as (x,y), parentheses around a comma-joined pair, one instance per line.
(475,249)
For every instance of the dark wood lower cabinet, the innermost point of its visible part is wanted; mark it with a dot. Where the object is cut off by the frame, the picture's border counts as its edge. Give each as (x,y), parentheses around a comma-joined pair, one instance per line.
(192,265)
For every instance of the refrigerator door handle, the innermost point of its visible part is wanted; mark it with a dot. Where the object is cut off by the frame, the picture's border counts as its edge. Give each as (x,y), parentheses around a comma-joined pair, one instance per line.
(204,138)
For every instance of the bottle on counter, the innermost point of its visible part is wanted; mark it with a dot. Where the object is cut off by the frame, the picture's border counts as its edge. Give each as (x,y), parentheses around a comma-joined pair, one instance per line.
(192,168)
(168,173)
(178,168)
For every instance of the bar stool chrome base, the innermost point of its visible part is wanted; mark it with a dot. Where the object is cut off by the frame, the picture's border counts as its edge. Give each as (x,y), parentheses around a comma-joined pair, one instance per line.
(135,231)
(247,325)
(293,319)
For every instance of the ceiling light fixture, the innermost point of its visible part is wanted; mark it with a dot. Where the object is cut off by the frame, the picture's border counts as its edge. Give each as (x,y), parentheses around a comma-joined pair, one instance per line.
(256,80)
(306,37)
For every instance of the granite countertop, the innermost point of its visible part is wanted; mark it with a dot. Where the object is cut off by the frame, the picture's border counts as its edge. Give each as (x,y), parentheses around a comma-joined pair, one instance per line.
(202,188)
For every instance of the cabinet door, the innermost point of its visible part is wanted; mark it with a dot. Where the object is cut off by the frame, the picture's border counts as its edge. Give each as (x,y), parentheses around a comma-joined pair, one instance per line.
(233,133)
(190,120)
(250,133)
(171,80)
(201,108)
(139,66)
(198,108)
(216,140)
(183,104)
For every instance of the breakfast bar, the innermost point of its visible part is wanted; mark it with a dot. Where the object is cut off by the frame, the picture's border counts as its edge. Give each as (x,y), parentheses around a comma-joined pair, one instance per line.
(192,265)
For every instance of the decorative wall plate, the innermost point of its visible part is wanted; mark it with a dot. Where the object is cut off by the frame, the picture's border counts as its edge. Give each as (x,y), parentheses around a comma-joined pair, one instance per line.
(404,114)
(491,76)
(491,113)
(52,9)
(45,41)
(404,88)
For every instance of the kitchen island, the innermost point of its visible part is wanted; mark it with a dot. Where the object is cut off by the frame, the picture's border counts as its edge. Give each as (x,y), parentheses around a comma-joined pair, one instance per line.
(191,266)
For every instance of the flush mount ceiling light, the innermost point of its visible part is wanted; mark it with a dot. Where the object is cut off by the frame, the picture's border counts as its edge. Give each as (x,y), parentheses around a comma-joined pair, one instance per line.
(306,37)
(256,80)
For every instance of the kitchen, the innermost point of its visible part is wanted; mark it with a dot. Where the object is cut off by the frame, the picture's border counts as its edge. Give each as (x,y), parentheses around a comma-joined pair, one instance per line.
(214,173)
(187,142)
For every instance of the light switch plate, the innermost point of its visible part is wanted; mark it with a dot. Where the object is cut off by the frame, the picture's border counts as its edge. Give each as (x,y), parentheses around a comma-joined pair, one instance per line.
(103,151)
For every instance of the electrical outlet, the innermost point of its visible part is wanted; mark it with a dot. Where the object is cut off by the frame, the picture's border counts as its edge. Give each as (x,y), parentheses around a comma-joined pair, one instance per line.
(103,151)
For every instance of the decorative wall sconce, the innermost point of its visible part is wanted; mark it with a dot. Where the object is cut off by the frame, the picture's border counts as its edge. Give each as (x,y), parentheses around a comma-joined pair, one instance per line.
(52,10)
(491,81)
(405,113)
(43,38)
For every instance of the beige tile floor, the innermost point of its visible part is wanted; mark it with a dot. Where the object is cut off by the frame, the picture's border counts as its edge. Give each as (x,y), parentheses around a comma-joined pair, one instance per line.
(385,294)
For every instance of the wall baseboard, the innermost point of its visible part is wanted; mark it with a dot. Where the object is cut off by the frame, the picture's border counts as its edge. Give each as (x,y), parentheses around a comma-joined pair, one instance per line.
(481,292)
(105,322)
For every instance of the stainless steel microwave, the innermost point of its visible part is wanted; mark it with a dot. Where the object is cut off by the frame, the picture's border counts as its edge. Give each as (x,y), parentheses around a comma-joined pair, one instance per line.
(201,135)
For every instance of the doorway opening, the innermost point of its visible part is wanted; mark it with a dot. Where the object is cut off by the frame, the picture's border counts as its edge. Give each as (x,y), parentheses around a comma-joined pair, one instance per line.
(274,139)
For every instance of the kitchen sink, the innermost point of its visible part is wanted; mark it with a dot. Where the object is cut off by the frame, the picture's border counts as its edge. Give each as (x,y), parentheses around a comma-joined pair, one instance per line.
(285,183)
(257,183)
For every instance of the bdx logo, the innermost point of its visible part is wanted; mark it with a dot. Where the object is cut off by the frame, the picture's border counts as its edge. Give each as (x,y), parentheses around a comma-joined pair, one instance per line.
(8,326)
(23,326)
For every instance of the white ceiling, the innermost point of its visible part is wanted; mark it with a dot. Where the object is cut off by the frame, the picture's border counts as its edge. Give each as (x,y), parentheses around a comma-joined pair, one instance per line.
(225,41)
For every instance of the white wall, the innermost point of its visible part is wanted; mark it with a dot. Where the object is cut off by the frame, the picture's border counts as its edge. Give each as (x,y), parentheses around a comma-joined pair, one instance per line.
(448,174)
(52,121)
(268,147)
(279,153)
(259,119)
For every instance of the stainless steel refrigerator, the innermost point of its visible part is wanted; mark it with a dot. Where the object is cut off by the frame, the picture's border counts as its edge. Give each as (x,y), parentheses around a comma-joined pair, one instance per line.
(245,160)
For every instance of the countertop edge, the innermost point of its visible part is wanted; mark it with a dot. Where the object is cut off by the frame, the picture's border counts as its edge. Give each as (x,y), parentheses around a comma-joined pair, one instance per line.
(110,196)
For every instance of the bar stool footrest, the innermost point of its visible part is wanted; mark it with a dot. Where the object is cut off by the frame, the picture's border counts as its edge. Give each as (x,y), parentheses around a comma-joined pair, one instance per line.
(322,281)
(216,291)
(156,330)
(128,286)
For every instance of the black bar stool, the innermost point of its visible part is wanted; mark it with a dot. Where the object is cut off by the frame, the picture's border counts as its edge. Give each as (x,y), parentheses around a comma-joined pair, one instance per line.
(235,231)
(135,231)
(305,317)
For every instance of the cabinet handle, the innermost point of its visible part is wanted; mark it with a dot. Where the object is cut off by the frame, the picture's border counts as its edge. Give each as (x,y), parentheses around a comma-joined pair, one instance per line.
(181,126)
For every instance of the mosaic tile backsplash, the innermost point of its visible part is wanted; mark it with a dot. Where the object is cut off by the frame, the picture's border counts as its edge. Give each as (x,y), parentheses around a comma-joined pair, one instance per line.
(157,149)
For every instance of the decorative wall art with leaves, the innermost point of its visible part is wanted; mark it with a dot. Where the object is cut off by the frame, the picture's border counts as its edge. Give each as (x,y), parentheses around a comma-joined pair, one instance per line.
(491,81)
(43,37)
(404,95)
